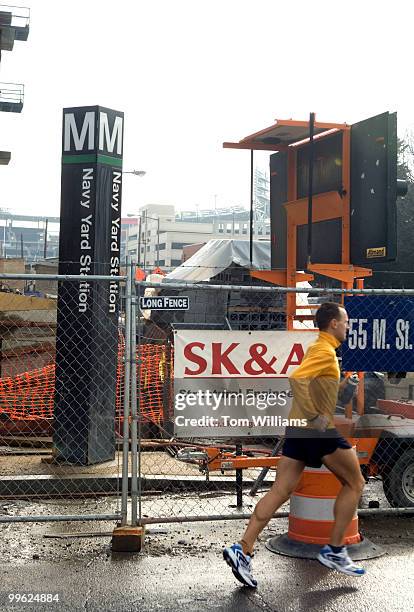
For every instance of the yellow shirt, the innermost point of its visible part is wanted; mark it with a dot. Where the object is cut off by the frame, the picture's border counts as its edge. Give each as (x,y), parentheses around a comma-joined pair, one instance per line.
(315,382)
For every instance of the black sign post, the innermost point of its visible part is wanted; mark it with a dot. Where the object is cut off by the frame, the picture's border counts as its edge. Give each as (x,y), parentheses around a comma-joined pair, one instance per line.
(87,317)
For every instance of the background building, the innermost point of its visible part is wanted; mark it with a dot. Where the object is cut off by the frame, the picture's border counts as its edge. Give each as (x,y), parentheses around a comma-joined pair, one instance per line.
(164,234)
(14,26)
(28,236)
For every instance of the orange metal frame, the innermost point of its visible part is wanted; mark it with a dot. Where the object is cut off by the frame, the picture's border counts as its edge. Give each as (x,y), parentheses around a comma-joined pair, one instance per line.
(330,205)
(220,460)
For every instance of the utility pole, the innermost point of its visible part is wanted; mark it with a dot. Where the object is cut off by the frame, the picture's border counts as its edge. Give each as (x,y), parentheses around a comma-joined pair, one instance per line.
(139,241)
(145,239)
(158,241)
(45,240)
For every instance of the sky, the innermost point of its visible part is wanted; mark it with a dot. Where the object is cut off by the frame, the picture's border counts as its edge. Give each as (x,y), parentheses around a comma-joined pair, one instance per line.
(189,75)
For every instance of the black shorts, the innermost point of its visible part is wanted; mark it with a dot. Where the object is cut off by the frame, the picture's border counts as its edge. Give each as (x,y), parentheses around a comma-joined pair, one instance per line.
(310,445)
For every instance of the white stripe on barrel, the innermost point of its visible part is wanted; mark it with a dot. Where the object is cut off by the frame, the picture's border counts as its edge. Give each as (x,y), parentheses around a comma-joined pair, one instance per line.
(312,508)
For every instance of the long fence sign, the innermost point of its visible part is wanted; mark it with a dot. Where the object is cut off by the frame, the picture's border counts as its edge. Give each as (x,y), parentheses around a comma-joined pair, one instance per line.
(234,383)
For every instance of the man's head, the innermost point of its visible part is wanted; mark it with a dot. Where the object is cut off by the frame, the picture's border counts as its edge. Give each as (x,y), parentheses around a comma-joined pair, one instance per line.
(333,319)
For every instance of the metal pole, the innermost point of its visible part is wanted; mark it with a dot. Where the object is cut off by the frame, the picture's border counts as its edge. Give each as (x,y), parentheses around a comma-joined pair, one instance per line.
(21,246)
(145,239)
(134,416)
(139,242)
(229,517)
(158,242)
(138,399)
(274,289)
(45,239)
(251,208)
(239,479)
(127,381)
(310,185)
(46,518)
(260,479)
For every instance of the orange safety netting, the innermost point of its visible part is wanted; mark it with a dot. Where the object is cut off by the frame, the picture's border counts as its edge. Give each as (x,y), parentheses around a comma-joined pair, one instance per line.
(30,396)
(154,383)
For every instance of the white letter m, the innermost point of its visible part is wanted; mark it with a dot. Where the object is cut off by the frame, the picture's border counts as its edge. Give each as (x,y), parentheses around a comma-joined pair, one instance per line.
(110,139)
(87,127)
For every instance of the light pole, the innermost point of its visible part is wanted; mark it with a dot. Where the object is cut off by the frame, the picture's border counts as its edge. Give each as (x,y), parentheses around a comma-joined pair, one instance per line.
(45,240)
(135,172)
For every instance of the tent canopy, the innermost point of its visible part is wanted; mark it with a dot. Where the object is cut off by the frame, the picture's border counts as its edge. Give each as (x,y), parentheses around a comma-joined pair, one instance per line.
(217,255)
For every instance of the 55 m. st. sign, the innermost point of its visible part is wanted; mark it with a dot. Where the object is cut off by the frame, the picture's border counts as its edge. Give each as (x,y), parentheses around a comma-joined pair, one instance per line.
(381,334)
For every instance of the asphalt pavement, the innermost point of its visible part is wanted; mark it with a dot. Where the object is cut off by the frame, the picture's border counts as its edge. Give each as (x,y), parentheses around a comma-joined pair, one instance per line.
(181,569)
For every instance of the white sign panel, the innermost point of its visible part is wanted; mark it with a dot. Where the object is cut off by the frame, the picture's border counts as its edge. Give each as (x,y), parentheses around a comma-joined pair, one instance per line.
(234,383)
(165,302)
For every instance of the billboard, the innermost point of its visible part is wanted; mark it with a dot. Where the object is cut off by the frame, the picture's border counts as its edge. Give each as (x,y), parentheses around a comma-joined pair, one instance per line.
(87,316)
(237,385)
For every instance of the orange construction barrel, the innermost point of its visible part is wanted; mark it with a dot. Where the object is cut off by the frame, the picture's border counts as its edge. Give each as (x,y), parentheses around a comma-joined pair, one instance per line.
(311,519)
(311,515)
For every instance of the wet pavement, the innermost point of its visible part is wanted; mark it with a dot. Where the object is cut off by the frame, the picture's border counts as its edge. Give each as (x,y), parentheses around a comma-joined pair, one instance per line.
(181,568)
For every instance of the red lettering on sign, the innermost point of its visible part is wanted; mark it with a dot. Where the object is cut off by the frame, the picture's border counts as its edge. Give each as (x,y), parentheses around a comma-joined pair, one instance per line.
(222,359)
(197,359)
(295,357)
(257,352)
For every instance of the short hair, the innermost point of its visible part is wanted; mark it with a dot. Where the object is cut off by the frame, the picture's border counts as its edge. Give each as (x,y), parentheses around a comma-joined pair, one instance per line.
(325,313)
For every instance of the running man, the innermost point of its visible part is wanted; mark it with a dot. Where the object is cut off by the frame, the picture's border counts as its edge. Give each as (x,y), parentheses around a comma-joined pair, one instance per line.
(314,385)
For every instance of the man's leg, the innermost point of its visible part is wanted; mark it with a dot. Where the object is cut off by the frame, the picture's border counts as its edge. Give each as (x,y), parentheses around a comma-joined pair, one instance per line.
(238,556)
(345,465)
(288,473)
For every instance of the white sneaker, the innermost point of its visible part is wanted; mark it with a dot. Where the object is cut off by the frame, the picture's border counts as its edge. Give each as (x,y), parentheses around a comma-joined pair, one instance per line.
(340,561)
(240,565)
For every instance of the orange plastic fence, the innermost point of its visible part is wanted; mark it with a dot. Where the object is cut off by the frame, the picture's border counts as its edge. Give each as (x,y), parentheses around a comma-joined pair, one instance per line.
(30,396)
(153,381)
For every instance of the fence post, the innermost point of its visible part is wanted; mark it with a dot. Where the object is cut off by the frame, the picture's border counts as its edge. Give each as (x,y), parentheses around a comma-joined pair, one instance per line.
(129,538)
(138,399)
(127,382)
(134,396)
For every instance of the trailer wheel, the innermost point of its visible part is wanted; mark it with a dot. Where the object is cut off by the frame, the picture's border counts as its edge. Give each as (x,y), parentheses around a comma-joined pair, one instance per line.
(398,483)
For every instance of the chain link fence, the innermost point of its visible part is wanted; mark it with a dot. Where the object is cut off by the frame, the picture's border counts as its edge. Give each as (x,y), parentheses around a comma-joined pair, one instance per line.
(62,396)
(214,464)
(95,402)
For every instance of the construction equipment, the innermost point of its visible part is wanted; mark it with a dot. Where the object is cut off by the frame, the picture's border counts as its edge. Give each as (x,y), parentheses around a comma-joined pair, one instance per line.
(317,196)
